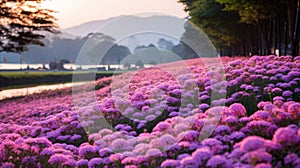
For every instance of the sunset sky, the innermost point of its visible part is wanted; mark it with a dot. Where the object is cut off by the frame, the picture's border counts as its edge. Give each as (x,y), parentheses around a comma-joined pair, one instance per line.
(75,12)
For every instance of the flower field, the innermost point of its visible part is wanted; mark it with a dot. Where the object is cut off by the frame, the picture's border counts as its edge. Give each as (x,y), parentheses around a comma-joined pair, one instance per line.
(243,114)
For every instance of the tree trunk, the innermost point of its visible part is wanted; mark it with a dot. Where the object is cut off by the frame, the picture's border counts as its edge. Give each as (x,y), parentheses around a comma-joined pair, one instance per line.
(296,31)
(285,38)
(292,6)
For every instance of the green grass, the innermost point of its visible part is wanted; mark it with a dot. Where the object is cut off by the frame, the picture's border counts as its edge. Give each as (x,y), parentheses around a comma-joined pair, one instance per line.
(21,79)
(49,73)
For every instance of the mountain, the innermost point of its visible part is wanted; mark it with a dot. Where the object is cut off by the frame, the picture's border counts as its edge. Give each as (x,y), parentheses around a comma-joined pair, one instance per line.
(86,28)
(69,42)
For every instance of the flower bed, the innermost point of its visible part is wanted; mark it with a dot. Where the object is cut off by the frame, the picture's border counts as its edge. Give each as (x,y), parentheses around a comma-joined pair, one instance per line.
(249,118)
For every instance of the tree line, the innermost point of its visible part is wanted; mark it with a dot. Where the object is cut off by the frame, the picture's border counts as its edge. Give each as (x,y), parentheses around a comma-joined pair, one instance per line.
(248,27)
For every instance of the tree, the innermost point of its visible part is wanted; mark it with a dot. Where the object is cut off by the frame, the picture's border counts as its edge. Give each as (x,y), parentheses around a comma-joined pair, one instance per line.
(139,64)
(127,65)
(248,26)
(214,21)
(165,44)
(24,22)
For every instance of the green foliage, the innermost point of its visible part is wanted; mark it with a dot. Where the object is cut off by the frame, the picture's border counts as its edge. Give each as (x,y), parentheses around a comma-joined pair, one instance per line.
(241,27)
(251,12)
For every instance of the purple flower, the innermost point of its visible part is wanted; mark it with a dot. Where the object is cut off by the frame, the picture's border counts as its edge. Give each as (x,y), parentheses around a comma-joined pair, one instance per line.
(222,130)
(252,143)
(269,107)
(290,159)
(237,153)
(167,139)
(218,161)
(176,92)
(189,162)
(211,142)
(153,152)
(58,159)
(287,93)
(7,165)
(190,136)
(272,146)
(204,97)
(47,151)
(96,162)
(182,156)
(249,88)
(294,109)
(82,163)
(261,115)
(257,156)
(294,127)
(261,128)
(105,152)
(286,137)
(201,155)
(29,160)
(236,136)
(203,106)
(63,137)
(231,120)
(86,151)
(38,142)
(120,145)
(170,163)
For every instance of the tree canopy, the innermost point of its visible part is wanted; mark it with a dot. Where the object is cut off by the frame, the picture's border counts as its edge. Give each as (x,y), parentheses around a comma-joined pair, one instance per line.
(24,22)
(240,27)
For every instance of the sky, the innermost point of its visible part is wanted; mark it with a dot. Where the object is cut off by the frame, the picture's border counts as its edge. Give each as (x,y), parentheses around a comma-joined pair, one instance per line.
(74,12)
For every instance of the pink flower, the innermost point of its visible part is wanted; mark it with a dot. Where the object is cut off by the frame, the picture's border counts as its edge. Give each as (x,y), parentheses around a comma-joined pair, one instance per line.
(263,165)
(162,126)
(261,115)
(58,159)
(238,109)
(294,109)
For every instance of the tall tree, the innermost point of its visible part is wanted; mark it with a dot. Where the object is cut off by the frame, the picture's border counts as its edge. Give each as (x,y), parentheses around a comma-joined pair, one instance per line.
(215,22)
(248,26)
(24,22)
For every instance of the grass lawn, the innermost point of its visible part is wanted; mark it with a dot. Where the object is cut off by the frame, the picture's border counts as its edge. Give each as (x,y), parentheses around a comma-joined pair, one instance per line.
(11,74)
(21,79)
